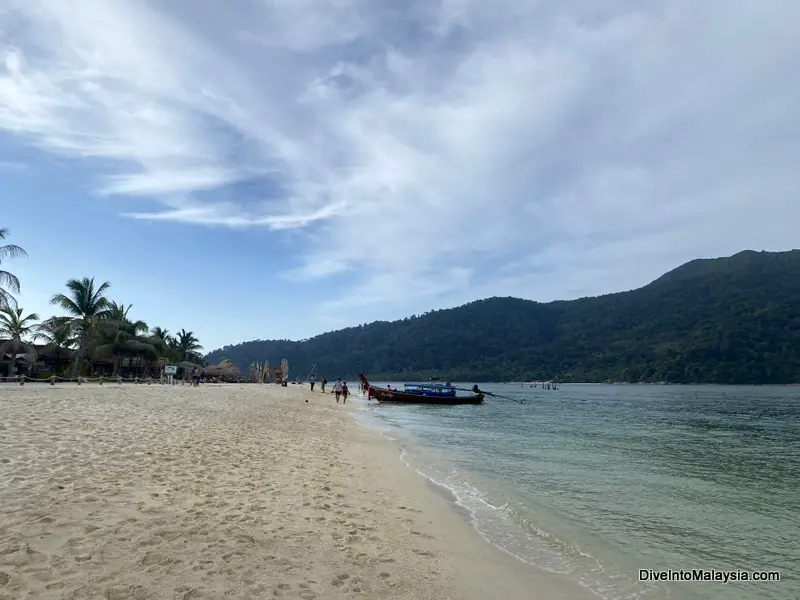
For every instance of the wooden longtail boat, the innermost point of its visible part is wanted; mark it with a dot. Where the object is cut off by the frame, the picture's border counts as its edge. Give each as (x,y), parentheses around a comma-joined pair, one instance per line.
(419,393)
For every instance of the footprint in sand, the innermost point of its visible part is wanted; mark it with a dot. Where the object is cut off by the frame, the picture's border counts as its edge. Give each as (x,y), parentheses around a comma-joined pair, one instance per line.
(281,589)
(423,535)
(154,558)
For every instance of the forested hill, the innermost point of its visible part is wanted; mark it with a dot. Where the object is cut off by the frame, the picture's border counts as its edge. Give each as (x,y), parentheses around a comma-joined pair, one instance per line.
(725,320)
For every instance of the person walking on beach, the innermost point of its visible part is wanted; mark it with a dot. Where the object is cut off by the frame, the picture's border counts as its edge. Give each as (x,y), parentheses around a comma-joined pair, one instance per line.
(337,388)
(324,382)
(344,392)
(313,381)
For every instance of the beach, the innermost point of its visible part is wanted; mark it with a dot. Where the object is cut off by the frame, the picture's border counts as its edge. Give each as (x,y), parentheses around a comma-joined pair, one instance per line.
(227,491)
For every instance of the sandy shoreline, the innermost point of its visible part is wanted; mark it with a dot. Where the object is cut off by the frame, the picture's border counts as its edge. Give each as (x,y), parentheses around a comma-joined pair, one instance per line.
(233,491)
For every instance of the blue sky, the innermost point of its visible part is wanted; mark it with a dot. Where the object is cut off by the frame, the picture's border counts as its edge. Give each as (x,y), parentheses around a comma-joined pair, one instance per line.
(287,167)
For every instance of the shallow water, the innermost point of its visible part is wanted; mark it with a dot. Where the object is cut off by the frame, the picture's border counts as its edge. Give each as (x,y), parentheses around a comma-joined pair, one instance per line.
(599,481)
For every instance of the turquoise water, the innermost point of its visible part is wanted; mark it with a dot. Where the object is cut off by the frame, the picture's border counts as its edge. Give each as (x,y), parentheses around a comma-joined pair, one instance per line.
(598,481)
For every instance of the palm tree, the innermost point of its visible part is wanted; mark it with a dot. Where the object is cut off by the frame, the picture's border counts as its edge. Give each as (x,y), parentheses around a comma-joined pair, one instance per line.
(188,345)
(117,315)
(164,344)
(58,333)
(160,333)
(8,282)
(86,305)
(120,336)
(16,327)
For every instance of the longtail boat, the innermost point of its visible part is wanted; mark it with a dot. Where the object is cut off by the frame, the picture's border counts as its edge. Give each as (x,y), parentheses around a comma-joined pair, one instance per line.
(419,393)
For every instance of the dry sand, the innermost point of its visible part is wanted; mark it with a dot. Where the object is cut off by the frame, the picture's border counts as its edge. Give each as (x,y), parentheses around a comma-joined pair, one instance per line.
(238,491)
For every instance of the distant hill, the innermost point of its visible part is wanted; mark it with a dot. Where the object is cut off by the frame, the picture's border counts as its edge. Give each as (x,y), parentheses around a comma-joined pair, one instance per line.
(724,320)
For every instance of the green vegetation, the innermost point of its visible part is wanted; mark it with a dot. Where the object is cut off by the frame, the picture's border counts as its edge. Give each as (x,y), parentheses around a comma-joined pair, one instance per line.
(732,320)
(96,336)
(9,284)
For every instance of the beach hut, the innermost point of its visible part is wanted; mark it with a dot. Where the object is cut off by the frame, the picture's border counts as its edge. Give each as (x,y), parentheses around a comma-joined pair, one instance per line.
(226,370)
(17,353)
(186,368)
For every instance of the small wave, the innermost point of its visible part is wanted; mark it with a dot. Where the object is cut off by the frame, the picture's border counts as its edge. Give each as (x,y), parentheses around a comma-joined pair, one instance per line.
(506,529)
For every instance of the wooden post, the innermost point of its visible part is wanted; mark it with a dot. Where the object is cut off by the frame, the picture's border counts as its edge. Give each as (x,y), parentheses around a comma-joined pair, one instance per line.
(79,379)
(101,380)
(119,379)
(22,379)
(52,379)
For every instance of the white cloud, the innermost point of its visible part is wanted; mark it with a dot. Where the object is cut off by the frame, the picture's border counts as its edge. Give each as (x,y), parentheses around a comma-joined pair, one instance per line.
(466,146)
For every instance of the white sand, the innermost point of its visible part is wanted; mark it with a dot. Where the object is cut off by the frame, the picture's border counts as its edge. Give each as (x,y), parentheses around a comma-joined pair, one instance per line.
(140,492)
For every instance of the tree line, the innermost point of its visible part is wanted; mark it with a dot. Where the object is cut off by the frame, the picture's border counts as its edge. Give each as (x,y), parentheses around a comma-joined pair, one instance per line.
(731,320)
(92,329)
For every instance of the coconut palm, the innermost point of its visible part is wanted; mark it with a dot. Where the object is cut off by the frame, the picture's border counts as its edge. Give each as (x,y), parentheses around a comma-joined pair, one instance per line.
(59,334)
(119,336)
(160,333)
(86,304)
(188,345)
(117,316)
(16,328)
(164,344)
(9,284)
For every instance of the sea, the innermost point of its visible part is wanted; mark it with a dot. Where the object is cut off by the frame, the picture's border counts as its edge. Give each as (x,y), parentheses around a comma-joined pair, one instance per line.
(596,482)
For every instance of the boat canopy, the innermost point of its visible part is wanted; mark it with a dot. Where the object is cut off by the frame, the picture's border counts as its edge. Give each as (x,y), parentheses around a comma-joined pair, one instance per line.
(426,389)
(428,386)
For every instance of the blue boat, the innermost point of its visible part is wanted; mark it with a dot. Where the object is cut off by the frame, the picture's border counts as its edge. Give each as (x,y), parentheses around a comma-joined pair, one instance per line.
(431,390)
(420,393)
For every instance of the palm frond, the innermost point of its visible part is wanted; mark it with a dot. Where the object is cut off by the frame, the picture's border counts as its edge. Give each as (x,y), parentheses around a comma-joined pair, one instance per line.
(14,324)
(57,332)
(66,303)
(10,281)
(11,251)
(7,300)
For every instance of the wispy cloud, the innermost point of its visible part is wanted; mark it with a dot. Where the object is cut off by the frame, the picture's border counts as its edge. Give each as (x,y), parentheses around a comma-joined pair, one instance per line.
(464,147)
(12,165)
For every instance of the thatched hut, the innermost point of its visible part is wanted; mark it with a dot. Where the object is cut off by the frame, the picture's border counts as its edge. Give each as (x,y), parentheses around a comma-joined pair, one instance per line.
(224,371)
(17,353)
(186,368)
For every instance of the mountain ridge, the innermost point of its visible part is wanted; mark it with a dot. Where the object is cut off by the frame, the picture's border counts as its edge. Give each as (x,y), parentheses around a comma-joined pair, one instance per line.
(721,320)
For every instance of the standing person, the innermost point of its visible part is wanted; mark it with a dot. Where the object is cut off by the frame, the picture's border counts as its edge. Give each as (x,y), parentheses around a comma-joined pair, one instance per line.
(344,392)
(337,388)
(324,383)
(313,381)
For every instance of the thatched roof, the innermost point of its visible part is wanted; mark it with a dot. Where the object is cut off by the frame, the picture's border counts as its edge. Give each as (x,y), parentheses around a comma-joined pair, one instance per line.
(225,368)
(49,352)
(17,349)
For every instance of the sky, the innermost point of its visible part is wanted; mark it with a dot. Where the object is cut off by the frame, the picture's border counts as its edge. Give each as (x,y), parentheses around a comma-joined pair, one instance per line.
(267,169)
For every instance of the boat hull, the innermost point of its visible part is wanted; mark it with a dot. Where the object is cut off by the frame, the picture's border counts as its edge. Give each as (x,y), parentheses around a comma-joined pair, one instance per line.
(397,397)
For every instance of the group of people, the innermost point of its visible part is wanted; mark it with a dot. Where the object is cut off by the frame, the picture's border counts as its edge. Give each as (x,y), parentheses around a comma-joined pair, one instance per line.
(339,387)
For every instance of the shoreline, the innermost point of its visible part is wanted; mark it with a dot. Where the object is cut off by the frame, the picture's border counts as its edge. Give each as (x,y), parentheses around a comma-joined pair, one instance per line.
(485,569)
(228,491)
